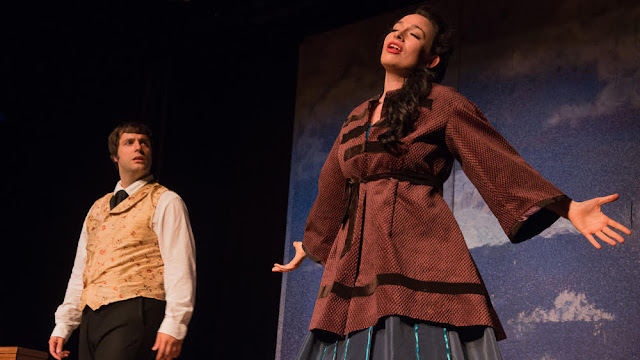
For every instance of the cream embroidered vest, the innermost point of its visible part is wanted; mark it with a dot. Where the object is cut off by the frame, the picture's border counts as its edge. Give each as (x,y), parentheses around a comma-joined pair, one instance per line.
(123,257)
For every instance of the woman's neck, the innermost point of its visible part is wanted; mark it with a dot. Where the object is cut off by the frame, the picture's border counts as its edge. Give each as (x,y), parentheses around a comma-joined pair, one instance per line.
(392,82)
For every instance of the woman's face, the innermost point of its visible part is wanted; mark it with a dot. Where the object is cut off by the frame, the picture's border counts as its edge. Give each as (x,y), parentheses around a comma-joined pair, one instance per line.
(408,44)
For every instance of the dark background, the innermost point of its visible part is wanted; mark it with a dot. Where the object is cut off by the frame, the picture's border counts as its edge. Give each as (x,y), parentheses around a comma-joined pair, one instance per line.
(216,82)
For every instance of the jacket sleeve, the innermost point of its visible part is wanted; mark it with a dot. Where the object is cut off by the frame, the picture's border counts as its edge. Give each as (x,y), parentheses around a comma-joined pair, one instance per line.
(325,217)
(513,190)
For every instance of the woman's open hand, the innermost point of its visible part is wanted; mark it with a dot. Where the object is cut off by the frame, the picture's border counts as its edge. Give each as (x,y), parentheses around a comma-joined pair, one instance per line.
(587,217)
(295,262)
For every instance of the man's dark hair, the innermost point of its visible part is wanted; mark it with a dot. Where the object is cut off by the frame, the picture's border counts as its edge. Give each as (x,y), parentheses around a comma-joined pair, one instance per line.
(129,127)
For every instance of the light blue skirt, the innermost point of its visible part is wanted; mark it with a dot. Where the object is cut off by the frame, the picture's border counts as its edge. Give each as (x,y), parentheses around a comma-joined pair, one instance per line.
(401,338)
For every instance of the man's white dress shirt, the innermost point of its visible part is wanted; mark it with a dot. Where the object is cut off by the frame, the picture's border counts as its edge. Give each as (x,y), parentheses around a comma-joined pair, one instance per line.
(178,251)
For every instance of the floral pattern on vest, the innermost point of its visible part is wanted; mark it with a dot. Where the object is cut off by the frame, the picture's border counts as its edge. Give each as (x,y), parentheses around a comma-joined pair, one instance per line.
(123,257)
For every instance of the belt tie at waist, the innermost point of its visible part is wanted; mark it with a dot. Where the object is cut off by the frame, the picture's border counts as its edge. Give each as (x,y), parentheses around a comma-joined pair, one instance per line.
(353,191)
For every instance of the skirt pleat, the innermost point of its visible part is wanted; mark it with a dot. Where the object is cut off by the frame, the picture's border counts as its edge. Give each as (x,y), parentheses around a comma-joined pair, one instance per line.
(401,338)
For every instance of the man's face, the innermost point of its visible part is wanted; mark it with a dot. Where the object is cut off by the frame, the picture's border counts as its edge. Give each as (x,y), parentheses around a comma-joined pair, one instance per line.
(134,154)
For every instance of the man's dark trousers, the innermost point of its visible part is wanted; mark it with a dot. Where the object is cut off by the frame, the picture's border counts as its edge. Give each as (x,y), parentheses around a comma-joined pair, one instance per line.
(123,330)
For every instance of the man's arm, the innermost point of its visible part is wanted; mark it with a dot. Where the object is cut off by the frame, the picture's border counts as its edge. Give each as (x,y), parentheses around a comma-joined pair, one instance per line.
(177,248)
(68,314)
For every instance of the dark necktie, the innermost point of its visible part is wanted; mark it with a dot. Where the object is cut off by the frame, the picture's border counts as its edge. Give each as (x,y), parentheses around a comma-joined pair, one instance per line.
(117,198)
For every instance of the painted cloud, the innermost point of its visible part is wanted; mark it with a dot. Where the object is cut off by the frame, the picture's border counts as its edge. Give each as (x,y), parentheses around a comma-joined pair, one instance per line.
(479,226)
(568,306)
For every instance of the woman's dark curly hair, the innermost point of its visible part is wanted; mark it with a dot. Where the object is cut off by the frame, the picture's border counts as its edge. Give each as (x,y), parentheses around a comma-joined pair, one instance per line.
(401,107)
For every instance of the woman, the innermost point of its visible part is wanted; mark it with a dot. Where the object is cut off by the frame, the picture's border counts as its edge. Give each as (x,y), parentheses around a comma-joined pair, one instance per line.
(399,282)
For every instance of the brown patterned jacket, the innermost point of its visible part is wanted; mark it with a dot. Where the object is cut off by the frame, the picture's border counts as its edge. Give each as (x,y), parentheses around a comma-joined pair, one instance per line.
(389,242)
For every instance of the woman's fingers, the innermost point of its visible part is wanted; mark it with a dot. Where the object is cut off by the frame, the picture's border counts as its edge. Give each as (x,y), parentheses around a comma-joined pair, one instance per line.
(605,238)
(593,241)
(619,226)
(607,199)
(613,234)
(283,268)
(289,266)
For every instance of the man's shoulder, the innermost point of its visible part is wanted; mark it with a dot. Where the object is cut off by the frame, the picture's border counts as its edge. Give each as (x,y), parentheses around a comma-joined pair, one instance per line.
(157,187)
(164,194)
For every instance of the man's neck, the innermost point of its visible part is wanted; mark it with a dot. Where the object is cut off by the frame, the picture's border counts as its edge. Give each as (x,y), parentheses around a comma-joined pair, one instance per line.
(127,179)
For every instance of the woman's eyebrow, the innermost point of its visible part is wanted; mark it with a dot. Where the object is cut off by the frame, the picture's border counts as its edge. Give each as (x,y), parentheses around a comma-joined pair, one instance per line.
(415,26)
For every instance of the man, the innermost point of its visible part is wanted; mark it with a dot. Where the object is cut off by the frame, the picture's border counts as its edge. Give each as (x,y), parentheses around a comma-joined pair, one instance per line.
(132,287)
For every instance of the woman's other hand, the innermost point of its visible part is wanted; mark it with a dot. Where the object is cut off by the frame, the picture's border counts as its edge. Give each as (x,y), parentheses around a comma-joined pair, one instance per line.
(587,217)
(295,262)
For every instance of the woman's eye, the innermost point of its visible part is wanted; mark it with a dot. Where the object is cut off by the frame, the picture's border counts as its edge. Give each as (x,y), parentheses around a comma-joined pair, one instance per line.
(416,36)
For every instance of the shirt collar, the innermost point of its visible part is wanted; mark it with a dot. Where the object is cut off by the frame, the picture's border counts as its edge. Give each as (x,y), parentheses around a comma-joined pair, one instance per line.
(135,186)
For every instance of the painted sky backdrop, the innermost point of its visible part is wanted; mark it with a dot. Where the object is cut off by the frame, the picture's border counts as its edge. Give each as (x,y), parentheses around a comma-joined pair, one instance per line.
(562,84)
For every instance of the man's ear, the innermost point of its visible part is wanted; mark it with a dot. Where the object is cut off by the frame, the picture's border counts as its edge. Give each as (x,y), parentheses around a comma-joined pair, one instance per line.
(433,62)
(114,158)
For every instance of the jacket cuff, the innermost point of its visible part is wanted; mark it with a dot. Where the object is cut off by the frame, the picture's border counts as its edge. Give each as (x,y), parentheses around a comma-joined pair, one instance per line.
(311,257)
(535,220)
